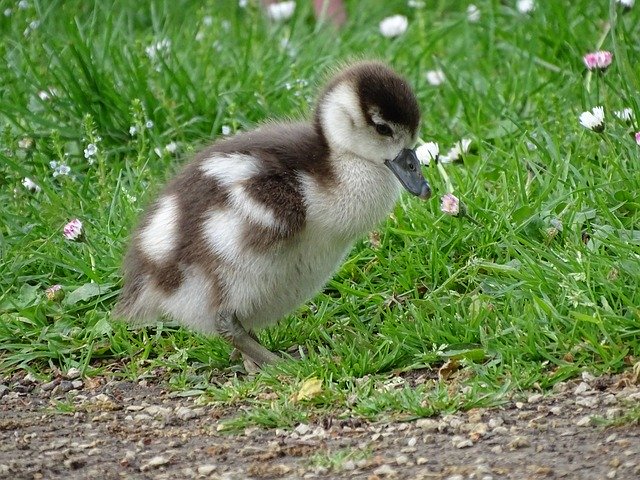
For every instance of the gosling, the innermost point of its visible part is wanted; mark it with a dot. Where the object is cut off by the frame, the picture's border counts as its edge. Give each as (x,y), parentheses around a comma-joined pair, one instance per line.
(257,223)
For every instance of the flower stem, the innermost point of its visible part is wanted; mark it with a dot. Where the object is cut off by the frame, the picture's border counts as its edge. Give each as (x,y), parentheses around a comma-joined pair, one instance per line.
(603,37)
(445,177)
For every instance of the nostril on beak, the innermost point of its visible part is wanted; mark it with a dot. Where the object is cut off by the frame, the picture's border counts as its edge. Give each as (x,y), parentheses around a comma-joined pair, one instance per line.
(425,193)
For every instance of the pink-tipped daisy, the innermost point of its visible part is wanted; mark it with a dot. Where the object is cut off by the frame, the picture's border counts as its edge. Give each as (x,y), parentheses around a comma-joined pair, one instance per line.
(450,204)
(637,138)
(599,60)
(73,230)
(593,120)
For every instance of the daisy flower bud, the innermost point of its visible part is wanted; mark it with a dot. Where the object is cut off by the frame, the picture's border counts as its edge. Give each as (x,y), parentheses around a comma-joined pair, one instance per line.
(427,152)
(598,60)
(637,138)
(394,26)
(54,293)
(73,230)
(593,120)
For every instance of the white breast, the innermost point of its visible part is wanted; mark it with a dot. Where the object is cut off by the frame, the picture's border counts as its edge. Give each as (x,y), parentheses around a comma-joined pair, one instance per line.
(264,286)
(336,217)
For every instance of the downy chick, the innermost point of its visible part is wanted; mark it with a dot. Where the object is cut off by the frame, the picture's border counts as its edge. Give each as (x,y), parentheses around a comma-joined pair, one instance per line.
(257,223)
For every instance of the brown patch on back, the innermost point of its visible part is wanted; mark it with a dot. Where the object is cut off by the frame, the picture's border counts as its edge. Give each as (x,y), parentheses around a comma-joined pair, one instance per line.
(281,147)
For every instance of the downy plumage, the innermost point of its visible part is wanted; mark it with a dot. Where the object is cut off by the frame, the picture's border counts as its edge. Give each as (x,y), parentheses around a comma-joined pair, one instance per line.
(257,224)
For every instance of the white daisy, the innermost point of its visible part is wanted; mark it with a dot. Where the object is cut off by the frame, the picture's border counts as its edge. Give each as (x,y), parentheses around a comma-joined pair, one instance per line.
(30,185)
(593,120)
(457,151)
(436,77)
(157,48)
(627,3)
(226,130)
(526,6)
(281,11)
(394,26)
(133,130)
(473,13)
(171,147)
(427,152)
(625,115)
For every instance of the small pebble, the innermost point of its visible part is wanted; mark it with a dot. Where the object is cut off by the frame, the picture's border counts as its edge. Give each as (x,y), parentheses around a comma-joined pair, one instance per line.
(73,373)
(582,388)
(185,413)
(535,398)
(349,465)
(384,470)
(302,429)
(584,421)
(206,469)
(155,462)
(556,410)
(428,424)
(519,442)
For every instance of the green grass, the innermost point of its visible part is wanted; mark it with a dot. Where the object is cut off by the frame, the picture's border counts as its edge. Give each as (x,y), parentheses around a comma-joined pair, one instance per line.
(545,287)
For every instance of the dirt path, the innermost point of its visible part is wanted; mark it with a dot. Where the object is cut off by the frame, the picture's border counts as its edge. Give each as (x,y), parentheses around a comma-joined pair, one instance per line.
(125,430)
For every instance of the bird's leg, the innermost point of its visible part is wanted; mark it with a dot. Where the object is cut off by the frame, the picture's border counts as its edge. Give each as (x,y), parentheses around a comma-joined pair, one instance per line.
(237,354)
(229,328)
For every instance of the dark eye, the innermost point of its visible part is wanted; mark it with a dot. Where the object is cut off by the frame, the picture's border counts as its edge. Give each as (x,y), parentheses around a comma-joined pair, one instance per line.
(384,129)
(412,167)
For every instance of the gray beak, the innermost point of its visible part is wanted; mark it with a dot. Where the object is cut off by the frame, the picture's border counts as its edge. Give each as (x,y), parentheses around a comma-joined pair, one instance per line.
(406,167)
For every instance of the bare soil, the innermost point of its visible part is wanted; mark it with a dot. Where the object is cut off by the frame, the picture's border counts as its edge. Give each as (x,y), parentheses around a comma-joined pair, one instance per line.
(120,429)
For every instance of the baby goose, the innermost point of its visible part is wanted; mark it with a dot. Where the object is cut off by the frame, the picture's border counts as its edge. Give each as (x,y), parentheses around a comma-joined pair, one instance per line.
(257,224)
